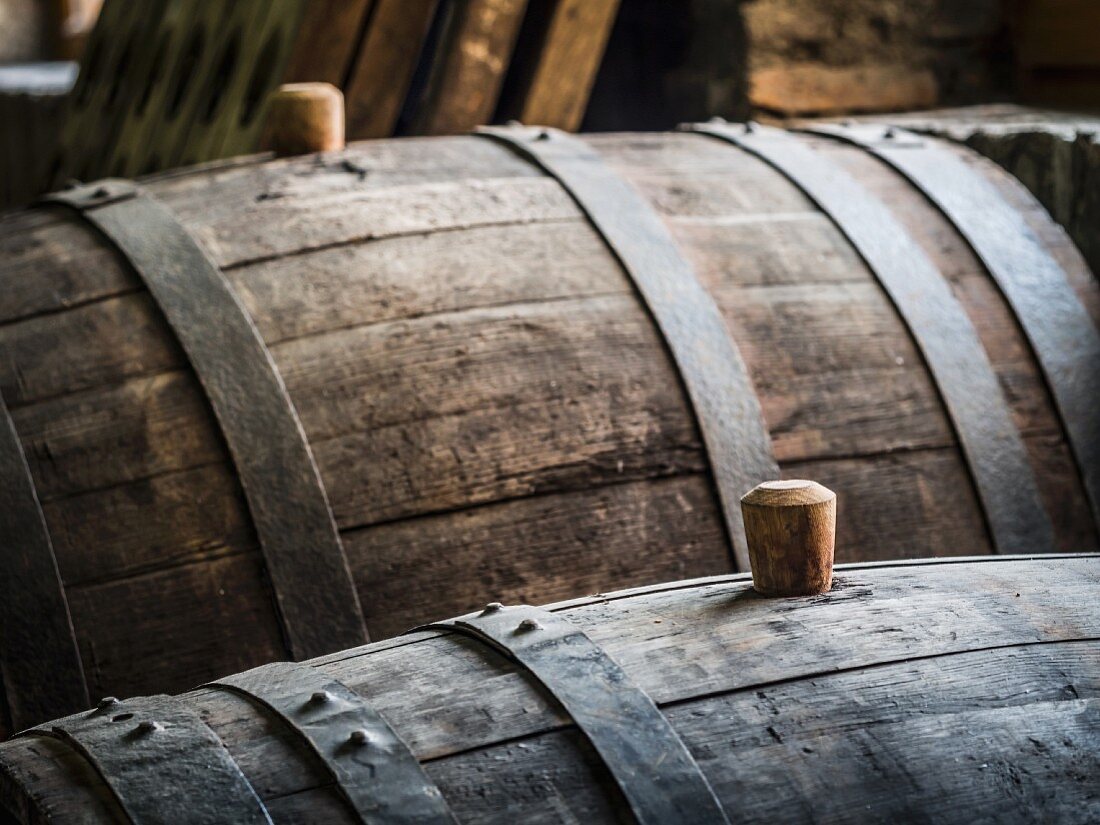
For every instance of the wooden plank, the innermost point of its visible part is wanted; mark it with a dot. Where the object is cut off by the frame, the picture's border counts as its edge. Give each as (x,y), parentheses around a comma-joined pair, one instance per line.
(539,544)
(810,88)
(382,71)
(560,75)
(735,642)
(327,39)
(927,747)
(231,623)
(469,67)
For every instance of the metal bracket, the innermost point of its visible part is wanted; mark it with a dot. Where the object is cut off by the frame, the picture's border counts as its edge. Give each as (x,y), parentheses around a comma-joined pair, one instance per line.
(1056,323)
(992,444)
(375,770)
(735,437)
(161,762)
(313,587)
(647,759)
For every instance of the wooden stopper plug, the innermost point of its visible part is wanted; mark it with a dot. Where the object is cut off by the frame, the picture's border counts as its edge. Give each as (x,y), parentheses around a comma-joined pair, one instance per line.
(791,531)
(305,118)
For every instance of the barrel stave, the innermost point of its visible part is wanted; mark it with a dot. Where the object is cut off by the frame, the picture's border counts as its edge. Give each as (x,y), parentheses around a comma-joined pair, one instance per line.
(1025,390)
(908,691)
(468,360)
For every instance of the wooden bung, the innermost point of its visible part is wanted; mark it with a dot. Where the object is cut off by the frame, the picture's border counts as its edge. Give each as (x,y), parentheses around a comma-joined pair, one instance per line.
(791,531)
(305,118)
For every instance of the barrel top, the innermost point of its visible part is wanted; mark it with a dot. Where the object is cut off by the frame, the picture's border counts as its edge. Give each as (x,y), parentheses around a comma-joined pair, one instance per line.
(932,651)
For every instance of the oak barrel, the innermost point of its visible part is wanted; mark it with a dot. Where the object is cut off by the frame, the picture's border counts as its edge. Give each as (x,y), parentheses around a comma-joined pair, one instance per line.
(268,409)
(932,691)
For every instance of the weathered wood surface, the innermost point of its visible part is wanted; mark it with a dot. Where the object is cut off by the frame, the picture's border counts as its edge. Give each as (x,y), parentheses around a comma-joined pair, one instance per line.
(948,692)
(468,68)
(382,69)
(1056,155)
(560,53)
(491,408)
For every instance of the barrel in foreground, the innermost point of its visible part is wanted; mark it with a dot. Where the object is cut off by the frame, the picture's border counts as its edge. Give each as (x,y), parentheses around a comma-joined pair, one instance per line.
(947,691)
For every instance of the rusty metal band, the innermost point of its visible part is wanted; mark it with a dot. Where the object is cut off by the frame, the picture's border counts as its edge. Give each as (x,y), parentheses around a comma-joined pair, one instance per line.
(711,368)
(375,770)
(305,560)
(658,777)
(967,383)
(161,762)
(40,663)
(1065,340)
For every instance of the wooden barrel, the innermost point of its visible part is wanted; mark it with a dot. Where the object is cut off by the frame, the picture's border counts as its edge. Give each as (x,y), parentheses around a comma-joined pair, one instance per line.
(264,404)
(912,692)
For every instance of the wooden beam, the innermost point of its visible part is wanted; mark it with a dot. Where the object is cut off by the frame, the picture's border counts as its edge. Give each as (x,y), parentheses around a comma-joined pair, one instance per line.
(327,41)
(567,62)
(469,69)
(383,69)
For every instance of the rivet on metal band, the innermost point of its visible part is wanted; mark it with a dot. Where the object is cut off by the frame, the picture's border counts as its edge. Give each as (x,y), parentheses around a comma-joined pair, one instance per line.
(656,773)
(161,762)
(737,441)
(305,560)
(1056,323)
(43,677)
(992,444)
(377,773)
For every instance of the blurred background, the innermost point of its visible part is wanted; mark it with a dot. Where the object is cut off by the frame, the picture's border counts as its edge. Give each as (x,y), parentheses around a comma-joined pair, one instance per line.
(90,88)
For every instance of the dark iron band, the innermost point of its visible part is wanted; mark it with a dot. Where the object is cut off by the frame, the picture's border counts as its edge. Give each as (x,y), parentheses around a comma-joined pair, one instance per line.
(1063,336)
(735,436)
(43,677)
(990,440)
(647,759)
(161,762)
(305,560)
(375,770)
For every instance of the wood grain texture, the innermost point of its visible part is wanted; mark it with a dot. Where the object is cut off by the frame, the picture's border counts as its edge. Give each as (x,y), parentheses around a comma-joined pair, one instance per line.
(306,117)
(491,408)
(328,38)
(559,75)
(791,530)
(469,66)
(907,692)
(383,68)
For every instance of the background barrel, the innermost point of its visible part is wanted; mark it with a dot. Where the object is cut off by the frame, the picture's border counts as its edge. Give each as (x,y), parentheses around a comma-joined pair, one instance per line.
(491,407)
(912,692)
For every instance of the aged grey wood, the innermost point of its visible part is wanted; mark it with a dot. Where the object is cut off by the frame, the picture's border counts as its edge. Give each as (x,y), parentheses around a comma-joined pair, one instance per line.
(994,449)
(161,762)
(1065,339)
(711,367)
(287,499)
(910,691)
(375,770)
(651,766)
(485,395)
